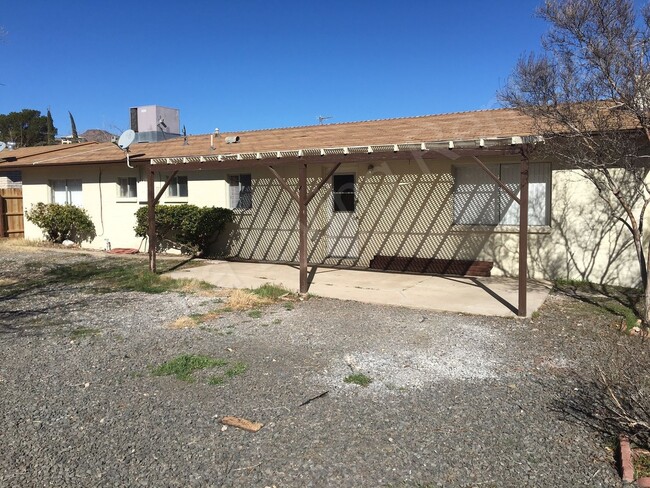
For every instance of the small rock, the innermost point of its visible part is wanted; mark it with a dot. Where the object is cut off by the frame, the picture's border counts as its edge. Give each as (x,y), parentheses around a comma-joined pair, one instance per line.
(224,428)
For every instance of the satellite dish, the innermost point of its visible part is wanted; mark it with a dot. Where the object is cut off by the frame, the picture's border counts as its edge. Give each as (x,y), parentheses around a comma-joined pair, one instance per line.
(3,146)
(126,139)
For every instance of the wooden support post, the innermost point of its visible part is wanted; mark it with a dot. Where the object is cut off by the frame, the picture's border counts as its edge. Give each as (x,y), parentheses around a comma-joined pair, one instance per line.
(164,187)
(151,218)
(523,237)
(284,184)
(3,231)
(302,198)
(302,222)
(322,182)
(497,180)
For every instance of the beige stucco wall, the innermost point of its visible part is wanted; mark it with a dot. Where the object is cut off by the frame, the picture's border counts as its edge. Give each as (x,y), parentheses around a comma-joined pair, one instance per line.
(114,217)
(406,208)
(403,208)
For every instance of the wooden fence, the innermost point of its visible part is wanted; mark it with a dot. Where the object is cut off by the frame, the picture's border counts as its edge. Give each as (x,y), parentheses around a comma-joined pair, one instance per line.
(11,213)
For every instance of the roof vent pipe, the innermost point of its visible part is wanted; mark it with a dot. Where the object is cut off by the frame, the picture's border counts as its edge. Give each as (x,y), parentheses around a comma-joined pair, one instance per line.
(232,139)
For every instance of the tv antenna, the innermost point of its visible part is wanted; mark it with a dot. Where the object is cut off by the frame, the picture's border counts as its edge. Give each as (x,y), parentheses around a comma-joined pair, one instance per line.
(125,140)
(323,118)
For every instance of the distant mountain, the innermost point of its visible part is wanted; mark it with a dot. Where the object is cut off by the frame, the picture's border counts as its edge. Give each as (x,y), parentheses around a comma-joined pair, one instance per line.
(97,135)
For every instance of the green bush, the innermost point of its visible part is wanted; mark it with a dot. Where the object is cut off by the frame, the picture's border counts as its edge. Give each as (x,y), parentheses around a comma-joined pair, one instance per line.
(61,222)
(186,227)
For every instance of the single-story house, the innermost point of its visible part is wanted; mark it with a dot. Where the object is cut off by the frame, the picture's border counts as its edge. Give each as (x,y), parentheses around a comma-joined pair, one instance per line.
(413,194)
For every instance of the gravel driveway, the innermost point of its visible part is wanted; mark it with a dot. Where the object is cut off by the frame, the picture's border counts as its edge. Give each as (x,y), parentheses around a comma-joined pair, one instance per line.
(455,400)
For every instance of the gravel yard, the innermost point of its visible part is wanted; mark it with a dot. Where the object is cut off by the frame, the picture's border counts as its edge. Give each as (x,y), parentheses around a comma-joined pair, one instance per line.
(454,400)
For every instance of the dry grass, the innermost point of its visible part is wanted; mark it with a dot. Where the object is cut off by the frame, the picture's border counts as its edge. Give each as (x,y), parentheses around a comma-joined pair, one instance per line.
(204,317)
(25,244)
(195,287)
(245,300)
(7,281)
(183,323)
(641,461)
(235,300)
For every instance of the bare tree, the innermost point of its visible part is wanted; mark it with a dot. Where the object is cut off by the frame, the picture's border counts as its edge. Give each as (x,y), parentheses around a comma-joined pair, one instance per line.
(588,94)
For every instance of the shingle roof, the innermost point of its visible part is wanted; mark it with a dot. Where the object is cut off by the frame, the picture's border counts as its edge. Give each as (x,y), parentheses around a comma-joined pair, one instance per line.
(428,128)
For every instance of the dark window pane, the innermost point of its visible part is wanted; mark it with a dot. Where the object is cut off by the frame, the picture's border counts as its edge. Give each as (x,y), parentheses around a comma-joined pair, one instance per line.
(241,191)
(182,186)
(343,183)
(343,193)
(344,202)
(245,199)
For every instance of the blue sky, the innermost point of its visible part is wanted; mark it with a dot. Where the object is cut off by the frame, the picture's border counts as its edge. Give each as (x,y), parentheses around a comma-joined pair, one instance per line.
(253,64)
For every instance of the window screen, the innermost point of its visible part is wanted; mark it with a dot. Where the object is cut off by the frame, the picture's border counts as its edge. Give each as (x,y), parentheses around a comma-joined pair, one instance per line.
(66,192)
(178,187)
(241,191)
(478,200)
(127,187)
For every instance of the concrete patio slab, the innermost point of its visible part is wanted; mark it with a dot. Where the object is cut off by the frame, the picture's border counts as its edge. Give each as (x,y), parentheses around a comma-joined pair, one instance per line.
(481,296)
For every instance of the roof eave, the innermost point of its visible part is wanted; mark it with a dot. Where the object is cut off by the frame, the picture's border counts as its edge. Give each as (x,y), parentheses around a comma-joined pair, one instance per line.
(481,144)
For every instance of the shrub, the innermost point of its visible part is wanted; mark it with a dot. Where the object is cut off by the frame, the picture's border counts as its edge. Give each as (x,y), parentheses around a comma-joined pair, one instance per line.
(61,222)
(613,396)
(186,227)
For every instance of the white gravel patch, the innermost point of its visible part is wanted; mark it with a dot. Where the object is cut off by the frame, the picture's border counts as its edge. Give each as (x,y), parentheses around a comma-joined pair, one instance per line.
(448,359)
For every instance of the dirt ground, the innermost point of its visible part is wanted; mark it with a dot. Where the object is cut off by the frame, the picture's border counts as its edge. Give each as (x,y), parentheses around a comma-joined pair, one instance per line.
(454,400)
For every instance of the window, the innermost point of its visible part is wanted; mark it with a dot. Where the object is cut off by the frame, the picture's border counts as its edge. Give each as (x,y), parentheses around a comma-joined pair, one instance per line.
(343,193)
(478,200)
(127,187)
(241,191)
(66,192)
(178,187)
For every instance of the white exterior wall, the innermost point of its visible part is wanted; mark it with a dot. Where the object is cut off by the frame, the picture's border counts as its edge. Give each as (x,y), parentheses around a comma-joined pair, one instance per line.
(403,208)
(114,217)
(584,242)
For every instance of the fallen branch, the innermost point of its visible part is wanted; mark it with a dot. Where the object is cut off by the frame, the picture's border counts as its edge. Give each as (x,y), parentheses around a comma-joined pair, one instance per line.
(243,424)
(313,398)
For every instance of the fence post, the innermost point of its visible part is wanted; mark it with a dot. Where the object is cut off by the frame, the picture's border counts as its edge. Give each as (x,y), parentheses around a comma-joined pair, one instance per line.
(3,230)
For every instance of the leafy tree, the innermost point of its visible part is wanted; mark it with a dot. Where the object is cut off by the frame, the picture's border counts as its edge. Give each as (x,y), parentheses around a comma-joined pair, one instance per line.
(61,222)
(25,128)
(73,128)
(588,94)
(186,227)
(51,131)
